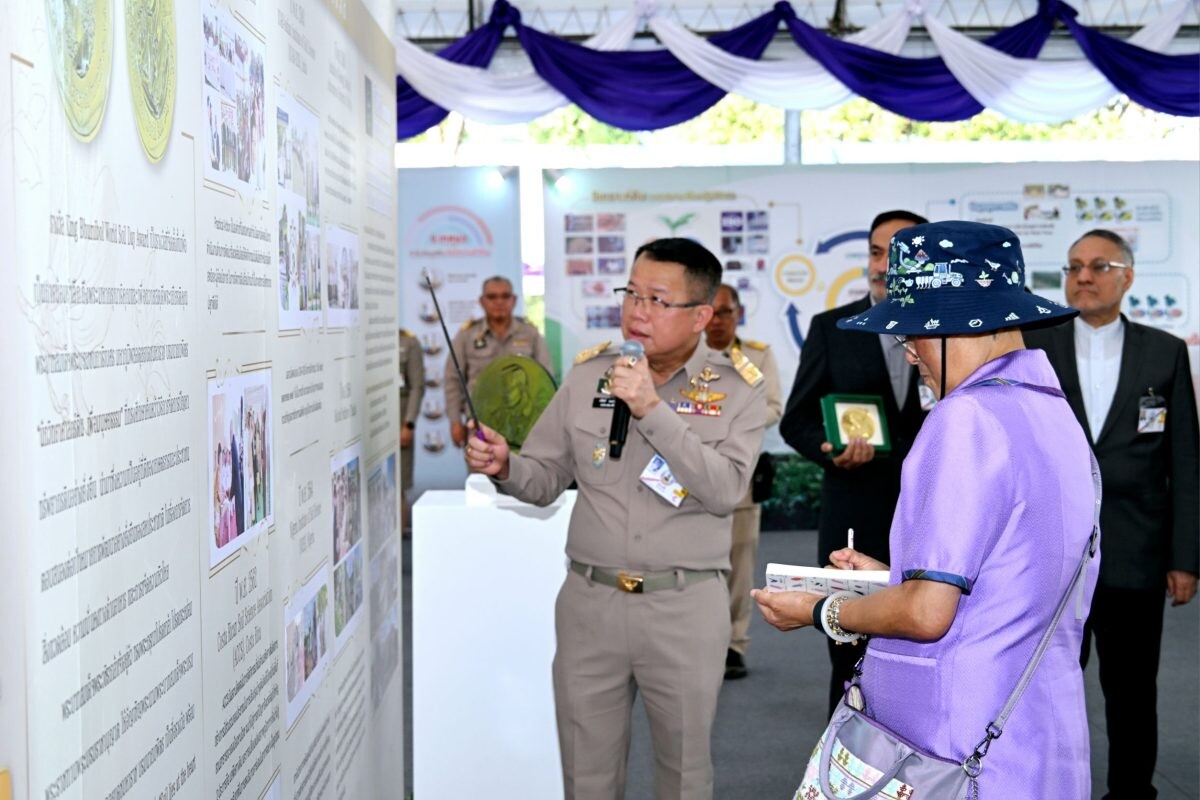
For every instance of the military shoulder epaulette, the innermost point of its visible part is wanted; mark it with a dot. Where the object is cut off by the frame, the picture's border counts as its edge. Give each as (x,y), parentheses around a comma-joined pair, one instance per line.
(468,324)
(745,367)
(753,345)
(406,332)
(591,352)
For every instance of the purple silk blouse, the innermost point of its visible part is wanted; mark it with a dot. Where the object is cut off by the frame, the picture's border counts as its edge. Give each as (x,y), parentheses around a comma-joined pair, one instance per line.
(997,499)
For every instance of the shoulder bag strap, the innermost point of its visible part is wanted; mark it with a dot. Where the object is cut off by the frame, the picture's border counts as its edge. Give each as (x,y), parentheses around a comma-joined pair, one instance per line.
(994,729)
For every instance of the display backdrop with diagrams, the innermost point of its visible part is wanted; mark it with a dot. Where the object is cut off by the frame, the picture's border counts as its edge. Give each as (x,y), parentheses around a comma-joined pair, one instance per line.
(200,592)
(794,239)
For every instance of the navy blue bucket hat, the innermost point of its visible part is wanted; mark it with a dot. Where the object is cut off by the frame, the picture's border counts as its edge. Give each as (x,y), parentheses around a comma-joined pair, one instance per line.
(953,278)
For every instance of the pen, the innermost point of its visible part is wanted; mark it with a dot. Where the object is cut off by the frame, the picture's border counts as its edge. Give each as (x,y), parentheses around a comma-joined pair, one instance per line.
(850,538)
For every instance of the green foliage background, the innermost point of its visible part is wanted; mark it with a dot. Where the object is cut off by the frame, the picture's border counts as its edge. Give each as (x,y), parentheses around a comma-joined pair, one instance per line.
(795,502)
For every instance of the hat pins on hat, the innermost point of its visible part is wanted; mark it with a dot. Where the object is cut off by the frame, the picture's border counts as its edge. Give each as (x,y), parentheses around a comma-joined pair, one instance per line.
(953,278)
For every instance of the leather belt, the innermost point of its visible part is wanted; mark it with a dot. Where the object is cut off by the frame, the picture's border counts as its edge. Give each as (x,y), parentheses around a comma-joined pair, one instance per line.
(635,583)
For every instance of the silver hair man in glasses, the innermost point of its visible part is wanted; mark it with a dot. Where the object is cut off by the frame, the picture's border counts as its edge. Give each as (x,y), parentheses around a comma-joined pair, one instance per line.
(1130,386)
(644,607)
(479,342)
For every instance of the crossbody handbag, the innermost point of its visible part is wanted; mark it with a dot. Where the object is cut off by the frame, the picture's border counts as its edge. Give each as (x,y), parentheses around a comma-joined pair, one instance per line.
(859,758)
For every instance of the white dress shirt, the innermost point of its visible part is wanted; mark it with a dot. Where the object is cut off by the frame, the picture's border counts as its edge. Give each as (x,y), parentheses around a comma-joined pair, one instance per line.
(899,370)
(1098,359)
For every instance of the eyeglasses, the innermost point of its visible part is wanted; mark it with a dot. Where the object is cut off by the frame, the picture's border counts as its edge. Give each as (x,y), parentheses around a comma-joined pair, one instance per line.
(655,304)
(907,345)
(724,313)
(1097,267)
(498,296)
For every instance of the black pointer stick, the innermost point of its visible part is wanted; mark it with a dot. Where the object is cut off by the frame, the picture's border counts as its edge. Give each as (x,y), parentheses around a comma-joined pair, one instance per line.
(454,356)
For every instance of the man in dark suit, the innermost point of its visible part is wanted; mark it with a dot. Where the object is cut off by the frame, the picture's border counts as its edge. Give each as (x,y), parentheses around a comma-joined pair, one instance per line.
(858,490)
(1131,388)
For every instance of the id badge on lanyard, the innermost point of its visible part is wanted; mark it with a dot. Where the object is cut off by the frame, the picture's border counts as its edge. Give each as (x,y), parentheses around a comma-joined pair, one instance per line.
(1152,413)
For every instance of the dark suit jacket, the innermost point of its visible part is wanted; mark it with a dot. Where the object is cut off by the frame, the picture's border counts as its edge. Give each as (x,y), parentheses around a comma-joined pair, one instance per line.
(1150,514)
(850,362)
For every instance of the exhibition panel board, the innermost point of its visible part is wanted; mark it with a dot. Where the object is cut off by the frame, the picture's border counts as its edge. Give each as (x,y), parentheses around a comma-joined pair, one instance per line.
(202,598)
(793,240)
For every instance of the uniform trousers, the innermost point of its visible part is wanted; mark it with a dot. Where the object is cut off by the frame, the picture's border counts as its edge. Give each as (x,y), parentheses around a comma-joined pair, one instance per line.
(669,645)
(407,456)
(1128,625)
(743,557)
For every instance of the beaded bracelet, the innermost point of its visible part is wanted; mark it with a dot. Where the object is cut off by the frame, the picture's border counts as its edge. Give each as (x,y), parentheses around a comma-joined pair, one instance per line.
(830,622)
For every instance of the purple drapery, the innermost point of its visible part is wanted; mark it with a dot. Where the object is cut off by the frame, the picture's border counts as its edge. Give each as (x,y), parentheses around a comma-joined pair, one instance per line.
(646,90)
(638,89)
(917,88)
(414,113)
(1170,84)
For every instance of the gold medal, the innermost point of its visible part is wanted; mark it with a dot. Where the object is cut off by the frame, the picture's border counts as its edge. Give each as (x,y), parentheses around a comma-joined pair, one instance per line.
(858,423)
(81,52)
(150,56)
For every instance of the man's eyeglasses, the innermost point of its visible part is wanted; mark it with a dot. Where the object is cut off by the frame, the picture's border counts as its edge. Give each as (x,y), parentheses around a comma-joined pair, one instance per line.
(656,304)
(724,313)
(498,296)
(907,345)
(1097,267)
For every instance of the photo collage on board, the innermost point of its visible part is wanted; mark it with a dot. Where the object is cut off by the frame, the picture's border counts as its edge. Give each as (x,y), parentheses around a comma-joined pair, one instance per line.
(234,103)
(597,255)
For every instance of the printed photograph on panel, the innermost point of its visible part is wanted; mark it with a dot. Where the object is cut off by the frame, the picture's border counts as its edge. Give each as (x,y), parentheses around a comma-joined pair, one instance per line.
(341,255)
(240,461)
(234,103)
(381,503)
(385,582)
(306,648)
(298,213)
(385,655)
(346,491)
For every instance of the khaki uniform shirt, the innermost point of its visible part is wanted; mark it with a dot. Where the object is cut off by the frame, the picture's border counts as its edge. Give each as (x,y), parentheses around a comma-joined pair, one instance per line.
(412,377)
(477,347)
(760,355)
(619,522)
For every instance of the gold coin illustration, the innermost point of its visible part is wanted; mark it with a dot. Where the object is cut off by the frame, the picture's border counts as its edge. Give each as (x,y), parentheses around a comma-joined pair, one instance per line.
(856,422)
(81,53)
(150,56)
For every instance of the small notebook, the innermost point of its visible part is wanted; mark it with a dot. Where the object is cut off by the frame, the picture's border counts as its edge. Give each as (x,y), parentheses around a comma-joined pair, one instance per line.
(824,580)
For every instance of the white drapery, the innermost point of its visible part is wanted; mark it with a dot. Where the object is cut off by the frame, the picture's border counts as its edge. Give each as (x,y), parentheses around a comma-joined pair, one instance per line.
(492,97)
(792,83)
(1027,90)
(1030,90)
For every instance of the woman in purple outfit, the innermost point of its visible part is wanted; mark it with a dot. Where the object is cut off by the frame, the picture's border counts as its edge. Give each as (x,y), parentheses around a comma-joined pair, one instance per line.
(996,507)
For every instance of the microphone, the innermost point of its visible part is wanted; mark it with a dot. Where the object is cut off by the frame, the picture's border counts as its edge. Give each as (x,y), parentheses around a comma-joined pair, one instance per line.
(631,349)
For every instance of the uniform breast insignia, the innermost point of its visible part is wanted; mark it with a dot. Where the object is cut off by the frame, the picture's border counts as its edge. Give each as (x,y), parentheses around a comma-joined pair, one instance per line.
(599,454)
(480,343)
(604,385)
(750,373)
(591,352)
(700,398)
(521,343)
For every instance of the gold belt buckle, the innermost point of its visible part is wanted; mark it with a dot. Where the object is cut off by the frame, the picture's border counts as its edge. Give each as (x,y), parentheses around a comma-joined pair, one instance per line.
(629,583)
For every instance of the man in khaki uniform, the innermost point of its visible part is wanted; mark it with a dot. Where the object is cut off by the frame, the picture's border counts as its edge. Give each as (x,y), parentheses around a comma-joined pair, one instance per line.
(481,341)
(644,606)
(721,334)
(412,390)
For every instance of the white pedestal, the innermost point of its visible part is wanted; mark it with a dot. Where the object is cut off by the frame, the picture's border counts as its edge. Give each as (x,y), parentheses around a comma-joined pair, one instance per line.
(485,574)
